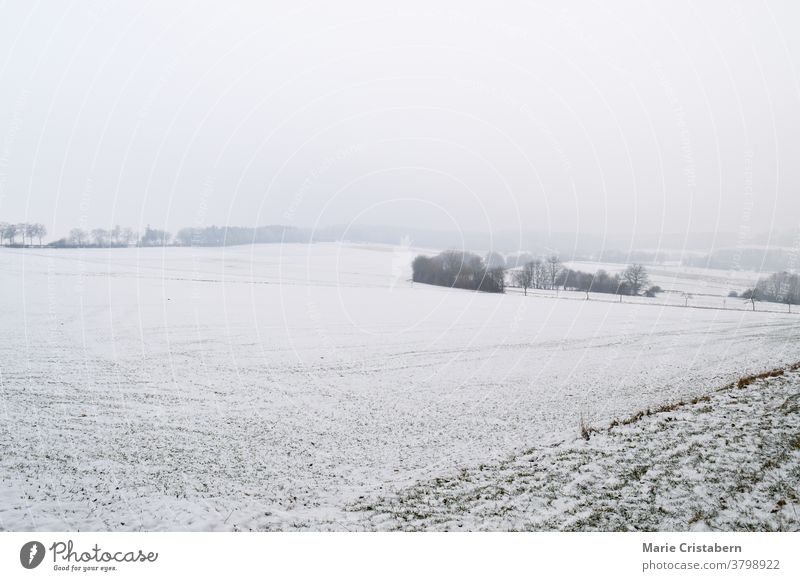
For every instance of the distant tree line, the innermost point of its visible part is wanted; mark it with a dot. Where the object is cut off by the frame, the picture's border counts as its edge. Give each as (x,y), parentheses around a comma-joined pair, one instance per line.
(469,271)
(598,282)
(630,256)
(233,235)
(550,274)
(780,287)
(538,274)
(633,281)
(116,237)
(19,235)
(457,269)
(748,258)
(26,232)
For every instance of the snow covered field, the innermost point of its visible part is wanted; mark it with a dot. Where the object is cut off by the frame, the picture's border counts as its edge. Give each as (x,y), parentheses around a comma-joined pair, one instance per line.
(272,387)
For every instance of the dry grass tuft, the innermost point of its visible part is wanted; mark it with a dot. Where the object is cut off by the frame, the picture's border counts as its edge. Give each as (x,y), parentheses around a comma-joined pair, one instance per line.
(750,379)
(742,383)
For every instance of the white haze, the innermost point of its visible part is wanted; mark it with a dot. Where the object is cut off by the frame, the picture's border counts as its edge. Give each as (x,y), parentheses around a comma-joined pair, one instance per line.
(635,123)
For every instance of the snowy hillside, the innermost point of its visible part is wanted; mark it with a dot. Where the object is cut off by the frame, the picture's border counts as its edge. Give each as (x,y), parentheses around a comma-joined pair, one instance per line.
(725,462)
(272,387)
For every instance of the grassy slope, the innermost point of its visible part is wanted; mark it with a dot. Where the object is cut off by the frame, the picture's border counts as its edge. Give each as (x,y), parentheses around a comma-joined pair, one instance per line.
(727,462)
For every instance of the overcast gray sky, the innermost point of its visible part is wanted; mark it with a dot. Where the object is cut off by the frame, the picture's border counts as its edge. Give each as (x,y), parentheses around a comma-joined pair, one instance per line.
(619,118)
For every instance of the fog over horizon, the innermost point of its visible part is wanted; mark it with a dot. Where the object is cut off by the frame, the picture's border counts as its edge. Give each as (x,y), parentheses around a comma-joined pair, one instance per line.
(620,124)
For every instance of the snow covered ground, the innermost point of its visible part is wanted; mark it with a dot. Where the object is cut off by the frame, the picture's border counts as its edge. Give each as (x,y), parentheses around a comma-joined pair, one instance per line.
(275,386)
(729,461)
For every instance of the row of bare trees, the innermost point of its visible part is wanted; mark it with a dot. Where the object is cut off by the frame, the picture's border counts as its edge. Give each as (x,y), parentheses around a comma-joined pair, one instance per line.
(469,271)
(116,237)
(780,287)
(633,281)
(119,237)
(539,274)
(23,234)
(550,273)
(27,232)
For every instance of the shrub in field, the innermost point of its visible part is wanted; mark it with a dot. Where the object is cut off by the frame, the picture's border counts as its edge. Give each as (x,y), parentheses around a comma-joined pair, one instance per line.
(458,270)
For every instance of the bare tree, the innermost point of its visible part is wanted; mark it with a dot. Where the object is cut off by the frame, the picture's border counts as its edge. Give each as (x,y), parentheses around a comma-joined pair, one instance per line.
(10,233)
(635,277)
(539,273)
(77,237)
(30,230)
(101,237)
(750,296)
(154,237)
(22,228)
(129,235)
(41,232)
(524,276)
(116,235)
(553,265)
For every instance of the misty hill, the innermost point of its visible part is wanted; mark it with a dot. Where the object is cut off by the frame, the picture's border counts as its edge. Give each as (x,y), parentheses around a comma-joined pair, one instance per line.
(748,258)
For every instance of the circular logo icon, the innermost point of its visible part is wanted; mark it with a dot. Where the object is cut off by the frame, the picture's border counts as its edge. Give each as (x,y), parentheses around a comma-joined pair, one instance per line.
(31,554)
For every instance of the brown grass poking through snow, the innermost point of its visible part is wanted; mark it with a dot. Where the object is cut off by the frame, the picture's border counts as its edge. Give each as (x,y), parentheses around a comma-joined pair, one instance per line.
(741,444)
(749,379)
(742,383)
